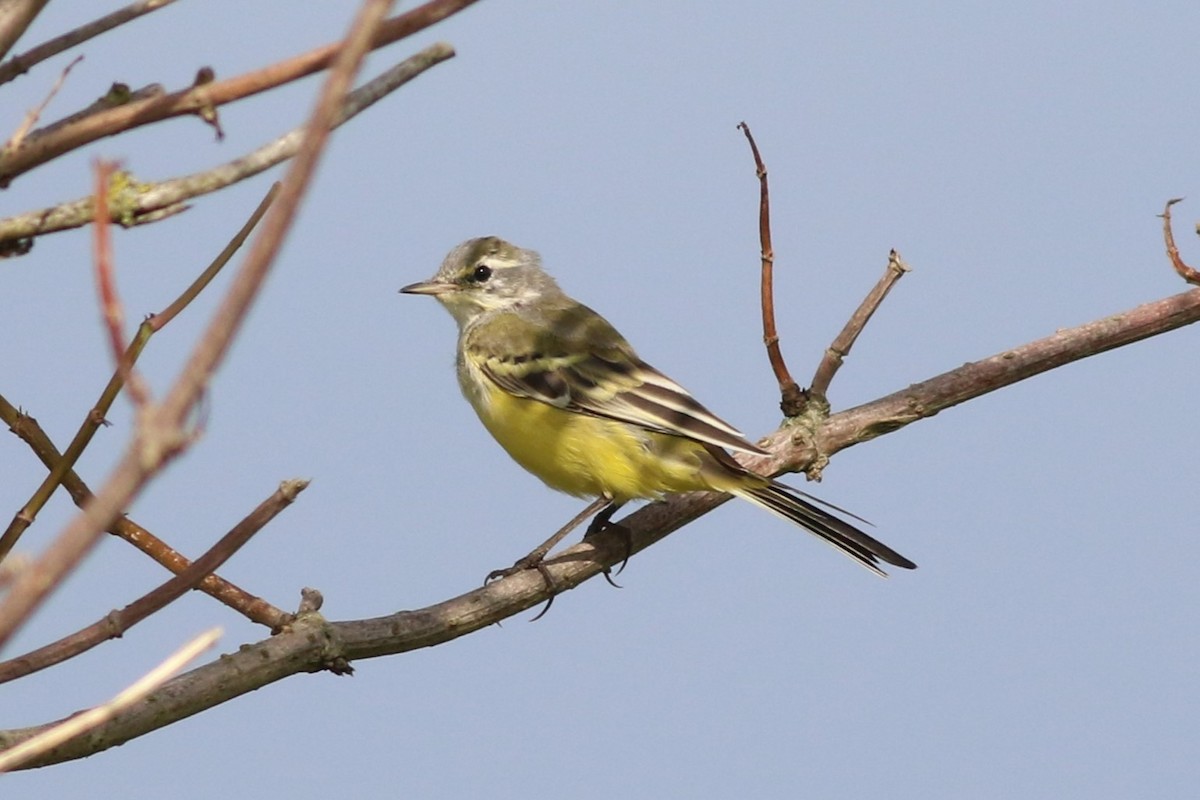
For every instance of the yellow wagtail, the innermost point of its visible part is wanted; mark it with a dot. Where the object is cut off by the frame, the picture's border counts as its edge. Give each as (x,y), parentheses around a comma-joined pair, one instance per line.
(563,392)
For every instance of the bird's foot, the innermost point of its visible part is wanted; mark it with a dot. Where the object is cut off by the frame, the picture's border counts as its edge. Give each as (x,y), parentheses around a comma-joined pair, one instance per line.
(603,522)
(535,560)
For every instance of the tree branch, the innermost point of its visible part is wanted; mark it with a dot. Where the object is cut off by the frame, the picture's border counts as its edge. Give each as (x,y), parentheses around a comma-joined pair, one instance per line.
(95,417)
(41,147)
(161,432)
(21,63)
(139,202)
(311,643)
(15,18)
(116,623)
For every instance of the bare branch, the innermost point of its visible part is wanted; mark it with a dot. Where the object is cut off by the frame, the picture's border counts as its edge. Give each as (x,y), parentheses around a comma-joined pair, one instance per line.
(311,643)
(141,201)
(80,724)
(96,416)
(161,433)
(840,348)
(253,608)
(116,623)
(15,17)
(106,283)
(1189,274)
(42,147)
(23,62)
(32,117)
(792,398)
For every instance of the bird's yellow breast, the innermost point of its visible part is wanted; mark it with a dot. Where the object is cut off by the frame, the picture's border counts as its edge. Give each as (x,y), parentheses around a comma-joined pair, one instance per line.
(581,454)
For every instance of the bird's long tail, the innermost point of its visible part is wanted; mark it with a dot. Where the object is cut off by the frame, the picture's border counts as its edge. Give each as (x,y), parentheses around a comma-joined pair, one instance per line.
(788,503)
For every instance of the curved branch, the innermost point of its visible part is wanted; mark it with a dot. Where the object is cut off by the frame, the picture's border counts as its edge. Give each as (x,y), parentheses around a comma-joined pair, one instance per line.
(311,643)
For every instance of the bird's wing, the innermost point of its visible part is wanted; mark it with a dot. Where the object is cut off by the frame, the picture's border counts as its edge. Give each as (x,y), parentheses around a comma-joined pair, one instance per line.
(587,367)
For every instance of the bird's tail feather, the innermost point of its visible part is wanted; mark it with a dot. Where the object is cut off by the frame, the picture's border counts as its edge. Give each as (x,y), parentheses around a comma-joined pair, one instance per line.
(784,501)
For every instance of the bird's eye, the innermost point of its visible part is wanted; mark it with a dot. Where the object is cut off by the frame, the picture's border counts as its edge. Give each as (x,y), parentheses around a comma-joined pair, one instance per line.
(481,273)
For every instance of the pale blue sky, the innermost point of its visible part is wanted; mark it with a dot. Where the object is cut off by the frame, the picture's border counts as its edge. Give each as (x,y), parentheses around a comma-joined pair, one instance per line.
(1015,153)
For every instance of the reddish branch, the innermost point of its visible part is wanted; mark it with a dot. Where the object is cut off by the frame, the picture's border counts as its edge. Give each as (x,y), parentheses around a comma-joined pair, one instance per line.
(1189,274)
(792,398)
(106,284)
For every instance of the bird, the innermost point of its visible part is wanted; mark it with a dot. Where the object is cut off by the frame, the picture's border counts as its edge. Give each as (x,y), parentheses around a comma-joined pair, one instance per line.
(564,393)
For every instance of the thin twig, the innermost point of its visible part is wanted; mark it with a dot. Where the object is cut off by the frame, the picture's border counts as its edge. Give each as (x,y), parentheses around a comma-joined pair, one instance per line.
(1189,274)
(79,724)
(792,398)
(23,62)
(39,149)
(116,623)
(143,200)
(840,348)
(96,416)
(32,117)
(253,608)
(106,283)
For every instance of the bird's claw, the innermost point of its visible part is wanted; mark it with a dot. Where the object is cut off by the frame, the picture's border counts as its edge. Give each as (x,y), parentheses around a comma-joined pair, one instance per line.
(531,561)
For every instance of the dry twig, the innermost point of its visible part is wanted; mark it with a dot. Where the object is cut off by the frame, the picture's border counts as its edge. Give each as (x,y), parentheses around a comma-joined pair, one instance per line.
(792,398)
(23,62)
(1189,274)
(840,348)
(253,608)
(32,117)
(96,415)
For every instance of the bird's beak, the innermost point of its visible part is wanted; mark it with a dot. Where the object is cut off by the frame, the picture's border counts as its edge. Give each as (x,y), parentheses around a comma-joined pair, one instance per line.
(428,287)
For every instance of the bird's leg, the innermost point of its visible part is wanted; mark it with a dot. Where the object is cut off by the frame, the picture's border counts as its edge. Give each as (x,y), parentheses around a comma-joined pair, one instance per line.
(603,522)
(538,554)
